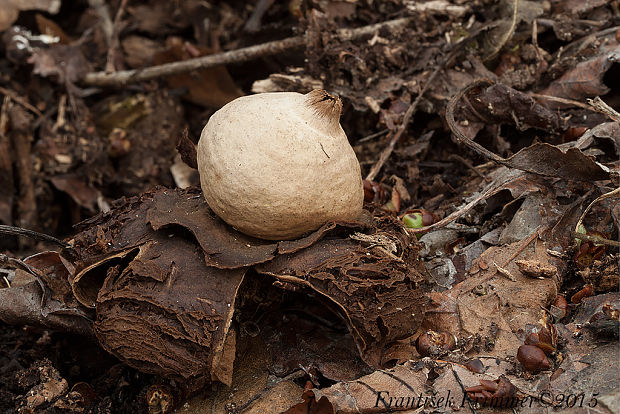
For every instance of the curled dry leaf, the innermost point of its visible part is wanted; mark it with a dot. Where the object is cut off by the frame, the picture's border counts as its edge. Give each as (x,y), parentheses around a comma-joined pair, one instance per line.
(541,158)
(40,295)
(82,193)
(25,305)
(187,149)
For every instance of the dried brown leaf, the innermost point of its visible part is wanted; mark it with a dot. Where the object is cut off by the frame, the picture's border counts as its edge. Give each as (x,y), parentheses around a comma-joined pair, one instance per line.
(50,28)
(381,391)
(139,51)
(83,194)
(44,297)
(549,160)
(579,7)
(583,81)
(492,305)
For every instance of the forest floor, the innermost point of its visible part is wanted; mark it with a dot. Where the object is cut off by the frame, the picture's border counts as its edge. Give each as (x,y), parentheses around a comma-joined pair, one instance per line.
(483,276)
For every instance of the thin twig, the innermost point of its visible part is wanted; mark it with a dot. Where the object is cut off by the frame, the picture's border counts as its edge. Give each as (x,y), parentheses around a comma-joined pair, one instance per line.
(18,231)
(458,134)
(522,245)
(372,136)
(507,34)
(125,77)
(596,239)
(101,8)
(16,263)
(114,43)
(20,101)
(601,106)
(4,115)
(542,63)
(469,165)
(565,101)
(21,138)
(458,379)
(245,54)
(612,194)
(578,44)
(387,151)
(254,22)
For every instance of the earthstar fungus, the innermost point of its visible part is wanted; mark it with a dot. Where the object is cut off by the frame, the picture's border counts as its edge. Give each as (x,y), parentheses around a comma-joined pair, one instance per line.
(279,165)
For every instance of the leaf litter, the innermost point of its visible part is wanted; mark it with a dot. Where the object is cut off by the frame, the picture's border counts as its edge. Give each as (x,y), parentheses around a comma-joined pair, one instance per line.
(521,249)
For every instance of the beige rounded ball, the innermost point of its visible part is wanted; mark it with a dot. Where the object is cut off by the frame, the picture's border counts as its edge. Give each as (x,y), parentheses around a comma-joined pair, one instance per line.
(279,165)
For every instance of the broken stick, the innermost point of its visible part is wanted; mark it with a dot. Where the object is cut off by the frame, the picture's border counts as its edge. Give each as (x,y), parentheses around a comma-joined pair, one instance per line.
(245,54)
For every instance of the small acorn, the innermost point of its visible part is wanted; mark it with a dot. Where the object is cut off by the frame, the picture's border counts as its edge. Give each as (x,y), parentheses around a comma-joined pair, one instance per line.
(532,358)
